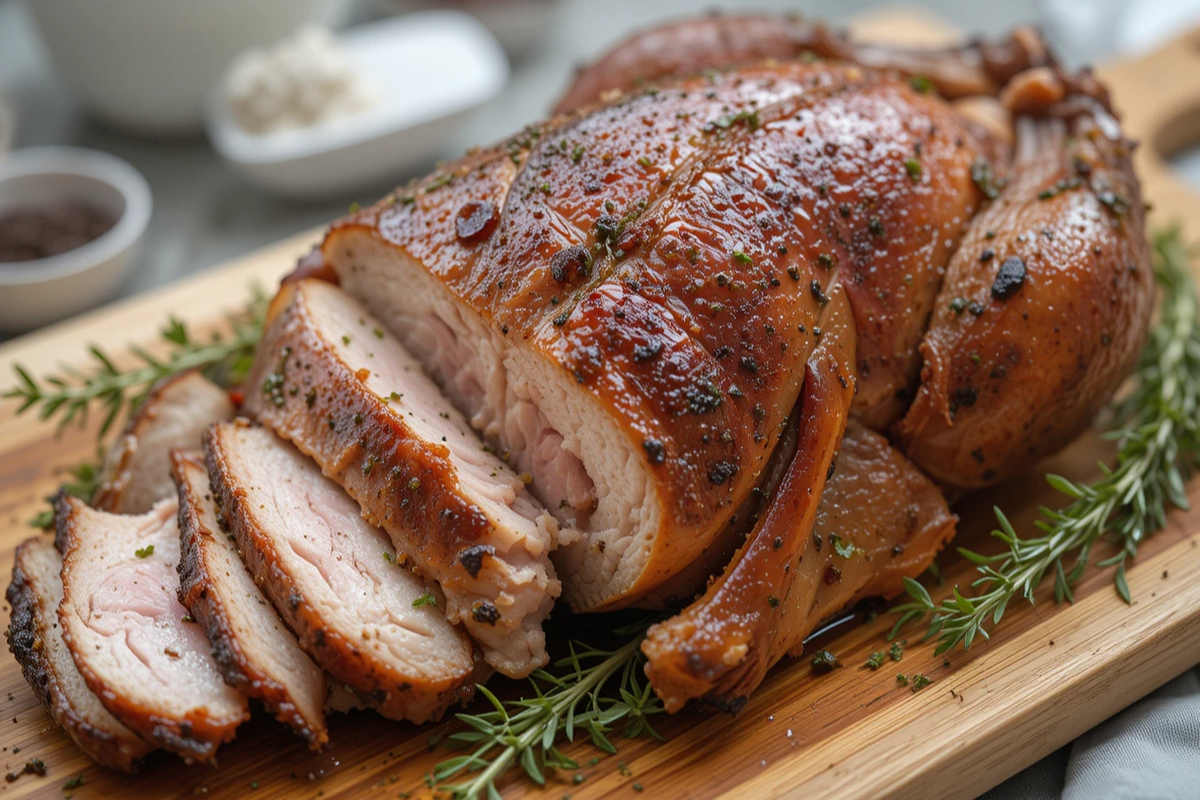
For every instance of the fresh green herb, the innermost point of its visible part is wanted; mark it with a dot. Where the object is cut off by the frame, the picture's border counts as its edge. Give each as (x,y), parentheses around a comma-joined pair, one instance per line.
(824,661)
(72,394)
(896,651)
(741,257)
(525,732)
(985,178)
(144,552)
(747,118)
(902,679)
(875,661)
(921,84)
(438,183)
(1158,448)
(920,681)
(426,599)
(842,547)
(913,168)
(73,783)
(577,153)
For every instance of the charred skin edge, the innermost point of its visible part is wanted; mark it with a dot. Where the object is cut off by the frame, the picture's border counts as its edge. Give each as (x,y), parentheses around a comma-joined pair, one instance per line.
(393,696)
(207,610)
(25,635)
(193,738)
(367,449)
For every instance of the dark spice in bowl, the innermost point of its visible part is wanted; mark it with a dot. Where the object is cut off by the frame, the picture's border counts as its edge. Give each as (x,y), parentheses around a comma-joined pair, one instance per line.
(27,234)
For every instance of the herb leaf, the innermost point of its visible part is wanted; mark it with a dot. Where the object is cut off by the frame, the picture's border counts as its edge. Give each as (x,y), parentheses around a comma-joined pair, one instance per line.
(579,697)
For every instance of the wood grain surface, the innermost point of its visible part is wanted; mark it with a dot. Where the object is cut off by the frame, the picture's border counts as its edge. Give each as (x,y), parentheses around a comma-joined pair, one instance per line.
(1049,673)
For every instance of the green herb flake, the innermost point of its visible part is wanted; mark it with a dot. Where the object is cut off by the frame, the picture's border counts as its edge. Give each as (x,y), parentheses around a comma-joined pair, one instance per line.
(842,547)
(740,257)
(913,168)
(426,599)
(875,661)
(144,552)
(920,681)
(921,84)
(824,661)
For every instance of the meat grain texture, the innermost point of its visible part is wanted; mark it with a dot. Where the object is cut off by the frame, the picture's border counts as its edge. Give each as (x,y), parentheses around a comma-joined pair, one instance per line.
(373,625)
(256,652)
(121,618)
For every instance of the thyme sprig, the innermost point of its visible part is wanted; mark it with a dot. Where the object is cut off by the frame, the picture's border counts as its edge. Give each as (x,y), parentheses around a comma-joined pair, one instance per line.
(70,395)
(1157,430)
(527,731)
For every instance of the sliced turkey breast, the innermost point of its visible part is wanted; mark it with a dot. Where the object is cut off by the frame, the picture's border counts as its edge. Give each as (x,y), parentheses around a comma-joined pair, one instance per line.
(137,469)
(330,379)
(257,654)
(624,299)
(367,620)
(37,644)
(129,635)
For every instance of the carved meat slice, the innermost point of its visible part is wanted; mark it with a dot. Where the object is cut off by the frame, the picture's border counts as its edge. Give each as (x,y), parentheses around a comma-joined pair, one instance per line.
(121,619)
(331,380)
(137,469)
(257,654)
(367,620)
(36,642)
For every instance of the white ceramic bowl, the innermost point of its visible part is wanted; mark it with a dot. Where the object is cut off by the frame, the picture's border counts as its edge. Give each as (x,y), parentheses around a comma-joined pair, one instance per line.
(35,293)
(147,65)
(426,70)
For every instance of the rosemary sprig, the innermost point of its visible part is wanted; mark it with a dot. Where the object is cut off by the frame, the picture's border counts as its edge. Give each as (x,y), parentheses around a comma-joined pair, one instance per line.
(526,731)
(70,395)
(1158,448)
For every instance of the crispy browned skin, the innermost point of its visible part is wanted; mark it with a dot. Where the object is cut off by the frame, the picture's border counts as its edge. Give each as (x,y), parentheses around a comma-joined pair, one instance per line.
(716,212)
(690,46)
(673,251)
(1045,304)
(718,646)
(37,644)
(789,576)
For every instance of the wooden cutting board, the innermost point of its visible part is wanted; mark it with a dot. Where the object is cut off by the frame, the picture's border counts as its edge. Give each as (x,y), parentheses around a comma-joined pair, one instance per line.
(1049,673)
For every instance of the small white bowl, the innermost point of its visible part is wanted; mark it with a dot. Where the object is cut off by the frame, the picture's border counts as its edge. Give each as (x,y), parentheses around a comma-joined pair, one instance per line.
(426,72)
(146,66)
(35,293)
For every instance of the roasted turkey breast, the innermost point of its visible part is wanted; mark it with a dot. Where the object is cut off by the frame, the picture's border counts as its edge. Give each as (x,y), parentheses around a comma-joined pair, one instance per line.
(622,299)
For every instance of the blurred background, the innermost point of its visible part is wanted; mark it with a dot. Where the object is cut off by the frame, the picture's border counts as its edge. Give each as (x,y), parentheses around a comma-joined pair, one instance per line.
(167,87)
